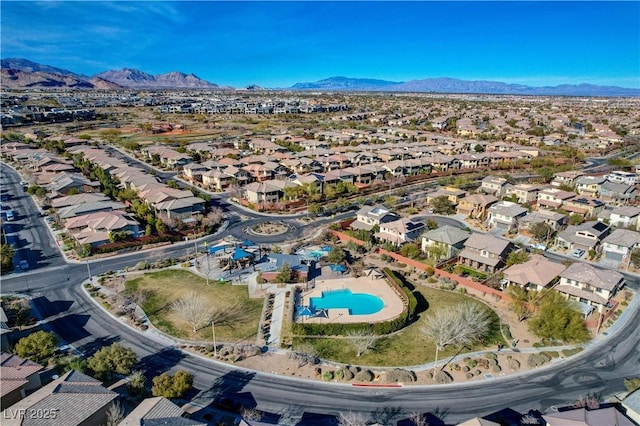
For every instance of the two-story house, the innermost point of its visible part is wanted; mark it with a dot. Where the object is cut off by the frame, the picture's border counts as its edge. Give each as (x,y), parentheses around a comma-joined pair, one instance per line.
(589,185)
(505,215)
(623,217)
(485,253)
(555,220)
(524,192)
(369,216)
(448,239)
(553,198)
(476,205)
(453,194)
(586,236)
(590,285)
(618,245)
(494,185)
(400,231)
(566,178)
(618,176)
(618,193)
(587,207)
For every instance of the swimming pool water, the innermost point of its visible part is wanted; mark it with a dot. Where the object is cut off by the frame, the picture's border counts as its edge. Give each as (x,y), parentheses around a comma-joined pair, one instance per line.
(356,303)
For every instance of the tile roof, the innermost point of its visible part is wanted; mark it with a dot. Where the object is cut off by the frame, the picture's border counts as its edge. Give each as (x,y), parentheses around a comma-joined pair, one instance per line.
(587,274)
(583,417)
(447,234)
(537,270)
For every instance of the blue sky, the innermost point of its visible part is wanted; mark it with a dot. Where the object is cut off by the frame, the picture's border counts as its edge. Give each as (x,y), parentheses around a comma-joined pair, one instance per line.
(276,44)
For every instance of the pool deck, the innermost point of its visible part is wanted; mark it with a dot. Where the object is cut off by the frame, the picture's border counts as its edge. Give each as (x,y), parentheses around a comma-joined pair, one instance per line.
(377,287)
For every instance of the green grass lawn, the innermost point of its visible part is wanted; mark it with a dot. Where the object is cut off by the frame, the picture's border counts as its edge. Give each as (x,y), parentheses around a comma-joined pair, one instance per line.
(404,348)
(239,315)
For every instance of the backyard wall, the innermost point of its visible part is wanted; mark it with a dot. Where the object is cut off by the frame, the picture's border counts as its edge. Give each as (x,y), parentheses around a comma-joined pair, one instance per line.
(472,285)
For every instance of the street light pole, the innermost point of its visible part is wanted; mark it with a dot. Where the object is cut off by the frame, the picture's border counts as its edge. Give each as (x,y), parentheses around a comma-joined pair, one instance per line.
(89,271)
(213,332)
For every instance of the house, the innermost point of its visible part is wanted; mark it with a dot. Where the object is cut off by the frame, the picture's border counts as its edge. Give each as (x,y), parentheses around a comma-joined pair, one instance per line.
(587,284)
(619,193)
(77,399)
(68,184)
(494,185)
(556,220)
(270,191)
(440,123)
(485,253)
(566,178)
(453,194)
(369,216)
(618,245)
(180,208)
(94,228)
(553,198)
(525,192)
(400,231)
(476,205)
(86,208)
(505,215)
(625,217)
(589,185)
(216,179)
(628,178)
(17,377)
(585,417)
(167,156)
(586,236)
(587,207)
(76,199)
(158,410)
(449,238)
(193,171)
(536,273)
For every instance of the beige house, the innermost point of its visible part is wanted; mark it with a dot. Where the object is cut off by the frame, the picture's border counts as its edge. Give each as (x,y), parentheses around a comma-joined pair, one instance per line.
(535,274)
(485,253)
(524,192)
(17,376)
(592,286)
(476,205)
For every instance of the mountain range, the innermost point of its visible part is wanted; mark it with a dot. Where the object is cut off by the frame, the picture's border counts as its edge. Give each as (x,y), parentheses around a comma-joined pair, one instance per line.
(22,73)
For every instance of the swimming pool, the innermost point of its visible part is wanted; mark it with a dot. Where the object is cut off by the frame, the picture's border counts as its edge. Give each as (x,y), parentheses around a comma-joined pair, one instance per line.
(356,303)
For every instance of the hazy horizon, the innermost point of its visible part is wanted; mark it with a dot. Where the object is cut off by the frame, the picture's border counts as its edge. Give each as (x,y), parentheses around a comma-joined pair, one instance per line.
(278,44)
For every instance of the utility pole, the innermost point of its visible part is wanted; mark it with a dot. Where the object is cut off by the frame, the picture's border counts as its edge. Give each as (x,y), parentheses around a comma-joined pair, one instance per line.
(89,272)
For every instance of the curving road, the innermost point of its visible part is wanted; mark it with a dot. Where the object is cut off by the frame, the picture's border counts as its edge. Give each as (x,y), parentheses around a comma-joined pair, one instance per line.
(58,297)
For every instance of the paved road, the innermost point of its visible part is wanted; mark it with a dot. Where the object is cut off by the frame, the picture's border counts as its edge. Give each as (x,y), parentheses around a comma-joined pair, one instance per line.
(59,298)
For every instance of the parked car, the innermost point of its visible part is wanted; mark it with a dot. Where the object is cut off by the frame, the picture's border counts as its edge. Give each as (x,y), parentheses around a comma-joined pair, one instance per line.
(578,253)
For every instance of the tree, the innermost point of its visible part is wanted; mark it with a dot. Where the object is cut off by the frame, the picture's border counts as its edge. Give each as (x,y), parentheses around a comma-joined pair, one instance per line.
(437,250)
(69,363)
(632,384)
(517,257)
(6,258)
(557,319)
(115,414)
(635,257)
(411,250)
(337,255)
(172,386)
(352,419)
(286,274)
(431,224)
(194,309)
(109,359)
(441,205)
(542,231)
(136,383)
(575,219)
(37,346)
(523,302)
(461,324)
(361,340)
(417,419)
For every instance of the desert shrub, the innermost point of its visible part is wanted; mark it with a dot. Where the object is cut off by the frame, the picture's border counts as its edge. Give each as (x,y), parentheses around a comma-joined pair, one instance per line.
(339,374)
(442,377)
(400,375)
(493,362)
(496,369)
(491,355)
(466,369)
(477,372)
(552,354)
(327,376)
(536,360)
(472,363)
(514,364)
(569,352)
(347,374)
(364,376)
(432,280)
(469,376)
(545,356)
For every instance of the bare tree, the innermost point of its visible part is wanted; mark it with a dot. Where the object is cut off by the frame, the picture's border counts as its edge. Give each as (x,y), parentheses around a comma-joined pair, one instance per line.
(115,414)
(417,419)
(590,401)
(251,414)
(352,419)
(361,340)
(462,324)
(305,354)
(193,309)
(213,218)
